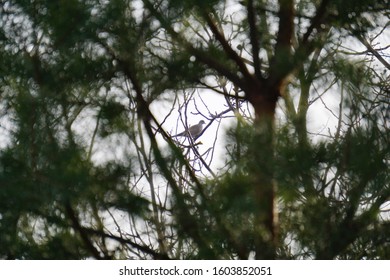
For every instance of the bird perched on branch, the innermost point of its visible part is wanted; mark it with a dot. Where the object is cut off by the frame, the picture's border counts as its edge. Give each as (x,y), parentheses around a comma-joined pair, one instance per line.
(193,131)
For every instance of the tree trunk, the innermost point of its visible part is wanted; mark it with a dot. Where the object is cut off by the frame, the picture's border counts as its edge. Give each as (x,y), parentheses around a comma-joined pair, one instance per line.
(262,172)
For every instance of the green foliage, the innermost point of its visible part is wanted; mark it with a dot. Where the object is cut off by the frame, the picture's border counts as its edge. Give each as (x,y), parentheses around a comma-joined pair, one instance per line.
(353,12)
(113,119)
(201,5)
(83,168)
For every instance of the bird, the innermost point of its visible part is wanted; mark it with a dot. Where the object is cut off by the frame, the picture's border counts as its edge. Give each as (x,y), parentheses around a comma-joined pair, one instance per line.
(193,131)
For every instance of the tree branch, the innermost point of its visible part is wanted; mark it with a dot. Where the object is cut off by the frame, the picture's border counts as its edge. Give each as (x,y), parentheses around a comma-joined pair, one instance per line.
(254,39)
(200,55)
(281,62)
(145,249)
(317,20)
(373,51)
(227,48)
(83,234)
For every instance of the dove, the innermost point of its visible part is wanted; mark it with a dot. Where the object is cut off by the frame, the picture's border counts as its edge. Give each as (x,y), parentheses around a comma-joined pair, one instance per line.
(193,131)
